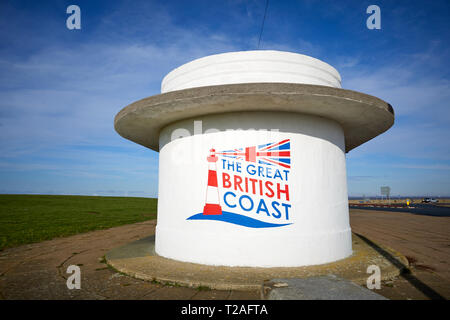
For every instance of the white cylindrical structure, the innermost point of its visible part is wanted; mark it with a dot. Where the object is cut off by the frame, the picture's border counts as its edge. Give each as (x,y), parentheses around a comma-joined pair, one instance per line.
(252,158)
(304,223)
(281,176)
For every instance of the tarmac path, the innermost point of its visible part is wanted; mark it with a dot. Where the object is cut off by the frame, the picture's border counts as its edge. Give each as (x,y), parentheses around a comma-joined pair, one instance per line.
(422,209)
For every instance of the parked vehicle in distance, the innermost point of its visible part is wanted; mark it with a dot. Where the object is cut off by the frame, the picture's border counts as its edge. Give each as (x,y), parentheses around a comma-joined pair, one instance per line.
(429,200)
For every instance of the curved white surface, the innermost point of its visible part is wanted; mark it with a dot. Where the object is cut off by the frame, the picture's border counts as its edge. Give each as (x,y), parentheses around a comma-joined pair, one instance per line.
(317,226)
(251,67)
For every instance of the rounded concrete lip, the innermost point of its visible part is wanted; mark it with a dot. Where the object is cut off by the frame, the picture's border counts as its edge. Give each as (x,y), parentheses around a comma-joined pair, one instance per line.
(361,116)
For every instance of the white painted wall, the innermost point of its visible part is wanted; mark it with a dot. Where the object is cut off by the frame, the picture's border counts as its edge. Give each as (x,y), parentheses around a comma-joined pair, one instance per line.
(320,230)
(251,67)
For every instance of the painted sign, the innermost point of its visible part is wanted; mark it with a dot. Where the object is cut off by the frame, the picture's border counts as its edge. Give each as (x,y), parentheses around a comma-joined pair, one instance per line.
(249,186)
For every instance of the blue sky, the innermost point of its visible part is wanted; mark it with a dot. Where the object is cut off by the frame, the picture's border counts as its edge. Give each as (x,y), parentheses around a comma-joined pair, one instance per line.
(60,89)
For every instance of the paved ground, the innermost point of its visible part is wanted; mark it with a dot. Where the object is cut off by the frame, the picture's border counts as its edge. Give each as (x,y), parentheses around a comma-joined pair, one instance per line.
(37,271)
(424,240)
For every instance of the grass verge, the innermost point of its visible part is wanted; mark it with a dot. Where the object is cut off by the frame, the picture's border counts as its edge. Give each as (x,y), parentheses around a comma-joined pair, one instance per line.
(33,218)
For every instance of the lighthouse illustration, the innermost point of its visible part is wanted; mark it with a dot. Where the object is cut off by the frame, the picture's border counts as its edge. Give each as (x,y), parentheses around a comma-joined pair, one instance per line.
(212,203)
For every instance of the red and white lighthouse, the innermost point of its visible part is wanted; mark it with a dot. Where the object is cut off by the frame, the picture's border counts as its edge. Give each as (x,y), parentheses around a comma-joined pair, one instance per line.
(212,203)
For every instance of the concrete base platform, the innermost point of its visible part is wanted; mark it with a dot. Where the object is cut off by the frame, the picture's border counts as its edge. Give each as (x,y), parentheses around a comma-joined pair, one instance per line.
(138,259)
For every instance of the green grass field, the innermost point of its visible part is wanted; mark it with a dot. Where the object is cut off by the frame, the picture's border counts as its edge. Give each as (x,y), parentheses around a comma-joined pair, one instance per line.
(34,218)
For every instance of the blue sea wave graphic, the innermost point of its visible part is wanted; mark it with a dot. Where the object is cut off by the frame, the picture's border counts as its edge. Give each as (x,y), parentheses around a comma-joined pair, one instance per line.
(238,219)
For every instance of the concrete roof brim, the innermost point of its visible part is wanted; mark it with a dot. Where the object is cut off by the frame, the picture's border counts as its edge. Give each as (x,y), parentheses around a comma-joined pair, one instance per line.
(361,116)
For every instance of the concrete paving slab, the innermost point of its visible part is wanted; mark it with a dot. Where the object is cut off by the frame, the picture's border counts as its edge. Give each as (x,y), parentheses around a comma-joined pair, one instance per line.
(171,293)
(212,295)
(327,287)
(245,295)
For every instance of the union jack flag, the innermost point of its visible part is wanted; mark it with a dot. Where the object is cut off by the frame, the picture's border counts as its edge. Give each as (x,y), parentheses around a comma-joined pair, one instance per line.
(278,153)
